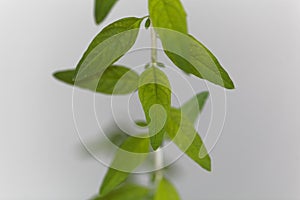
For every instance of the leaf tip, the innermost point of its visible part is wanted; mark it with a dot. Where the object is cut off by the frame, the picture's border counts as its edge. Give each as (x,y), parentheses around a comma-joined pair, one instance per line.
(230,86)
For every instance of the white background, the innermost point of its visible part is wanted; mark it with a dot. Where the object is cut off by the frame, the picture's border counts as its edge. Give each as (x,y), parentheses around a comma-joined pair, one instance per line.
(258,155)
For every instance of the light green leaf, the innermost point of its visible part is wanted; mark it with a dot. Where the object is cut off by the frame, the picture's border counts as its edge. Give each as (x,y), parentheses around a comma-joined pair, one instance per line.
(168,14)
(183,134)
(191,56)
(107,47)
(194,106)
(166,191)
(155,96)
(131,154)
(126,192)
(102,9)
(114,80)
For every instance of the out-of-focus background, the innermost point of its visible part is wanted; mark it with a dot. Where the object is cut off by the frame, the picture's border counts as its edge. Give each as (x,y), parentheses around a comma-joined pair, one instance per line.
(258,154)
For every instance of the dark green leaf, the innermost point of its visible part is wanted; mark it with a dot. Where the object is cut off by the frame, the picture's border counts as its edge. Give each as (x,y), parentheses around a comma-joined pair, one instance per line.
(141,123)
(102,9)
(132,153)
(183,134)
(107,47)
(168,14)
(194,106)
(193,57)
(114,80)
(155,96)
(126,192)
(166,191)
(147,23)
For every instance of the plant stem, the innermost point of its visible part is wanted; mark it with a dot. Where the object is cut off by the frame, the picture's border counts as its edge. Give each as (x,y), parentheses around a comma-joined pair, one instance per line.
(153,47)
(158,153)
(158,165)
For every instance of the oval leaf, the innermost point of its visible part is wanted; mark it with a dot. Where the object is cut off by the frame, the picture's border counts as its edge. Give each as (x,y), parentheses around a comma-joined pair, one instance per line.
(107,47)
(155,96)
(193,57)
(168,14)
(126,192)
(166,191)
(183,134)
(130,155)
(115,80)
(102,9)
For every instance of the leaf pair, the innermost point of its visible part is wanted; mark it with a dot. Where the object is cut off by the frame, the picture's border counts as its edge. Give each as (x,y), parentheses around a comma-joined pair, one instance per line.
(180,128)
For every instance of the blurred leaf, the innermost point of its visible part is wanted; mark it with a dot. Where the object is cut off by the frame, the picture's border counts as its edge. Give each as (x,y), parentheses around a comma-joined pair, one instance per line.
(155,96)
(141,123)
(107,47)
(183,134)
(114,80)
(191,56)
(136,150)
(102,9)
(126,192)
(166,191)
(194,106)
(162,65)
(168,14)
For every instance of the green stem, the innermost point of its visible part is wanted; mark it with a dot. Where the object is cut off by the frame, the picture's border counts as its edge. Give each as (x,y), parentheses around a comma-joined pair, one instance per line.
(158,153)
(153,47)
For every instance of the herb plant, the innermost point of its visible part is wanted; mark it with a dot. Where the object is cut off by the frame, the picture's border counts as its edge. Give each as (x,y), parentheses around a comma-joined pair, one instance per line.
(97,71)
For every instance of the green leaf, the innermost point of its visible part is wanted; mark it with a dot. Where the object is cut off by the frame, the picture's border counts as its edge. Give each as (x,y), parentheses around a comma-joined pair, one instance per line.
(183,134)
(168,14)
(118,80)
(191,56)
(155,96)
(126,192)
(147,23)
(102,9)
(114,80)
(107,47)
(141,123)
(166,191)
(132,153)
(194,106)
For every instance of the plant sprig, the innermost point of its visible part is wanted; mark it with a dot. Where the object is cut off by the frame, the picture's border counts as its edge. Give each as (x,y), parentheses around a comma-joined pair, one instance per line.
(97,71)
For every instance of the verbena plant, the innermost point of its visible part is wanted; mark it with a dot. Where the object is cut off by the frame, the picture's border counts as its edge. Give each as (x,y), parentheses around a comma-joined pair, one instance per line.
(98,72)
